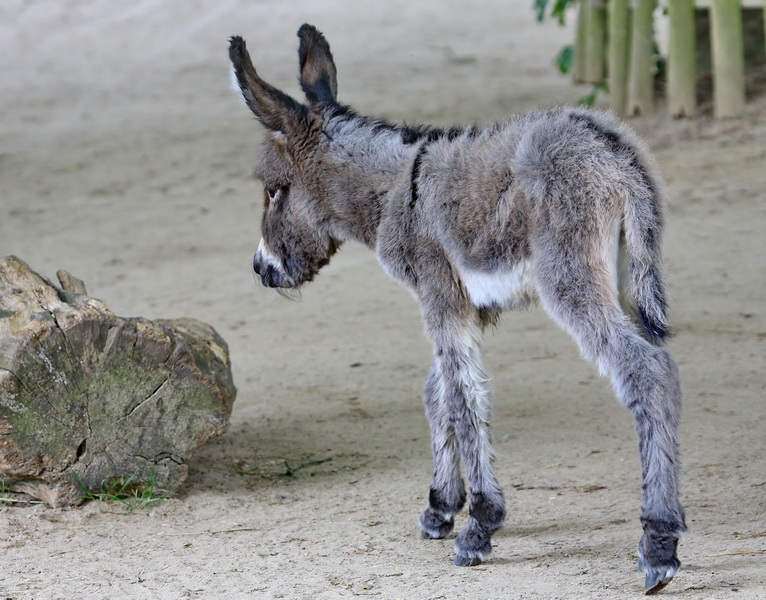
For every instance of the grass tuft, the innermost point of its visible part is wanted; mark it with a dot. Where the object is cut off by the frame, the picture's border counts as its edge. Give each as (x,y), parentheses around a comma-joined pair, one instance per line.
(127,491)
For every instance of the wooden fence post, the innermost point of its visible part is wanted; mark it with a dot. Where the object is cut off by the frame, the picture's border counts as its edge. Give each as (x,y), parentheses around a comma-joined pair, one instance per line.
(764,23)
(583,14)
(618,55)
(682,63)
(641,78)
(595,42)
(728,59)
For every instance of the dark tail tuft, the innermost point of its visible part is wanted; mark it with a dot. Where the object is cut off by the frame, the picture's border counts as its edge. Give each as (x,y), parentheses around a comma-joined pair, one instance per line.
(656,332)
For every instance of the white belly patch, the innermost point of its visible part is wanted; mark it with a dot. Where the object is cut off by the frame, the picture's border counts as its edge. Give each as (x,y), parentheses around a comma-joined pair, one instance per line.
(506,288)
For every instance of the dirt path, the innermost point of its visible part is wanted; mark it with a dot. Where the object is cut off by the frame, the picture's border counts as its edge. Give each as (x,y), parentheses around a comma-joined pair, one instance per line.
(125,159)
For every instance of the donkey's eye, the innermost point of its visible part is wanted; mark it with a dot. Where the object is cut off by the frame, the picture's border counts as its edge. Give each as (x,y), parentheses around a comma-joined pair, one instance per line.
(274,191)
(269,194)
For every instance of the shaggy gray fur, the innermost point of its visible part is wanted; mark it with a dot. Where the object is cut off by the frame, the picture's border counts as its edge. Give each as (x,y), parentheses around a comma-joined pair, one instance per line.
(561,207)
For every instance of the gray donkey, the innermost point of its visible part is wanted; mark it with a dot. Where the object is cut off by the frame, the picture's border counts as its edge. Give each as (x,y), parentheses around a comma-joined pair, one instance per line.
(561,207)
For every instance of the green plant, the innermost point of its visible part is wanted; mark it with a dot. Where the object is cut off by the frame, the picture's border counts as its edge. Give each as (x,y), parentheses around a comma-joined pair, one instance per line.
(558,9)
(565,59)
(128,491)
(589,99)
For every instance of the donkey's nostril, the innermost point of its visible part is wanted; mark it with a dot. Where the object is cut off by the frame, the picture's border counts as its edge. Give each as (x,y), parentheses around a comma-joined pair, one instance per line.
(256,265)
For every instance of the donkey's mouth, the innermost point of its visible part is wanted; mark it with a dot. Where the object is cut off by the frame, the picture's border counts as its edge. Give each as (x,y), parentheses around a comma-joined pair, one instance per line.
(268,269)
(274,278)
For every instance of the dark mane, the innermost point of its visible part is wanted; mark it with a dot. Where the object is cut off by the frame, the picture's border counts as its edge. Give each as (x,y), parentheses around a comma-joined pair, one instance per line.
(411,134)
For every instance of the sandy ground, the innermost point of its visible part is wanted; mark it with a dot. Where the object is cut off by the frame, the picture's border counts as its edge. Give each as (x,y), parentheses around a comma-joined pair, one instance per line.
(126,159)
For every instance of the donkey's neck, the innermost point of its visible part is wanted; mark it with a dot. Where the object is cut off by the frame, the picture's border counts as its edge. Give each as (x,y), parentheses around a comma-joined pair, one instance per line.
(368,163)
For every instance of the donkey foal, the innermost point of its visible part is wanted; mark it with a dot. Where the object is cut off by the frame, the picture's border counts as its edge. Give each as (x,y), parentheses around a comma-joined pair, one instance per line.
(561,207)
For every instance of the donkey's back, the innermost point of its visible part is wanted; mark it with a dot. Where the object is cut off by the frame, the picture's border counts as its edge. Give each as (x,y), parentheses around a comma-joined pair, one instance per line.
(502,198)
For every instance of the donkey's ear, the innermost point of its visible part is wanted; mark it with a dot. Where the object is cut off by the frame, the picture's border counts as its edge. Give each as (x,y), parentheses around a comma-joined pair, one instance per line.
(275,109)
(318,75)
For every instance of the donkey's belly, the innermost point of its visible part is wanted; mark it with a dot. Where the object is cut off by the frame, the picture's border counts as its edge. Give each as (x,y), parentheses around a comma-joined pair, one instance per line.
(506,288)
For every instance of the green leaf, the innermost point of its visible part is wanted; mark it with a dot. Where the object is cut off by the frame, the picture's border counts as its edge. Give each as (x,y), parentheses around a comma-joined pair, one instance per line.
(539,6)
(590,99)
(559,10)
(565,58)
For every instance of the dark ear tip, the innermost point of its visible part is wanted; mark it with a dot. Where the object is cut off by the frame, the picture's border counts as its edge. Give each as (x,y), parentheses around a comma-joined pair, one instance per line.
(307,30)
(311,36)
(236,46)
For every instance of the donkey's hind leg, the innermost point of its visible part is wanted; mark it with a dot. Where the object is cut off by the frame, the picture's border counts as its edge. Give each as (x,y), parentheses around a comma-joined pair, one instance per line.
(574,290)
(447,494)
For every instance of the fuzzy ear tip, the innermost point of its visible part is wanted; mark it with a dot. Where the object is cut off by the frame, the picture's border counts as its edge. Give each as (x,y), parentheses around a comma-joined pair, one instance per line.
(306,30)
(236,46)
(311,36)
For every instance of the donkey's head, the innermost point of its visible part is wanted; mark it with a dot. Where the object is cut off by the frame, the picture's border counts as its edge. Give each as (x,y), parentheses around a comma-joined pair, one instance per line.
(296,238)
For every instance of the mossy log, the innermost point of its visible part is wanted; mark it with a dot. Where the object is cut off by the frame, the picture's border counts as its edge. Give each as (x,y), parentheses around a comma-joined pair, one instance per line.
(88,398)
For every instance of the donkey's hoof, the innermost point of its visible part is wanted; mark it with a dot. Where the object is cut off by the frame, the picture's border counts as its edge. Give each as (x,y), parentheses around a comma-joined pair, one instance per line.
(435,525)
(467,561)
(659,561)
(435,534)
(656,579)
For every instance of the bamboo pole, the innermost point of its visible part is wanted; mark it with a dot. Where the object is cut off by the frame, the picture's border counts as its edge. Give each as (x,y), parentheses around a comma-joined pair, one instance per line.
(618,55)
(583,14)
(728,59)
(595,41)
(641,78)
(682,62)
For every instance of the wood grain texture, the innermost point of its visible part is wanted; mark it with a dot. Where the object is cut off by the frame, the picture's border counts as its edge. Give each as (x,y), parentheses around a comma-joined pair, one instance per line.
(88,397)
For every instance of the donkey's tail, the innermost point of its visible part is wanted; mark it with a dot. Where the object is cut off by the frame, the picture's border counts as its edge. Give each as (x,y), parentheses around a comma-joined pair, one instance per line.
(640,250)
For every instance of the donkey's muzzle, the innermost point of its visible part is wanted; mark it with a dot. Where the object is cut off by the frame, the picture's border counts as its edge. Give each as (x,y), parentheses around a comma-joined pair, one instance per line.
(271,276)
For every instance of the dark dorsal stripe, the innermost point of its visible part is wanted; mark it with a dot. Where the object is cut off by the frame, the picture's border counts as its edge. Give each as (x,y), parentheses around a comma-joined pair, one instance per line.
(416,173)
(615,143)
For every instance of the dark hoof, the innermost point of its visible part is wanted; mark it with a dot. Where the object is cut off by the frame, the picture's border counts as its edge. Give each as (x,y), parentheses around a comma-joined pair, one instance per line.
(656,580)
(467,561)
(657,554)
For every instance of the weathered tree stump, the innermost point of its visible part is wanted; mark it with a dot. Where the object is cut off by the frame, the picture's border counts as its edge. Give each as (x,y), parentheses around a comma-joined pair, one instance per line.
(88,397)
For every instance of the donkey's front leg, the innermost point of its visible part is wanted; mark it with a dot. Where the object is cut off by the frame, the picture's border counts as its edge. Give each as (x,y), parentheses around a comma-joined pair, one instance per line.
(465,406)
(447,494)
